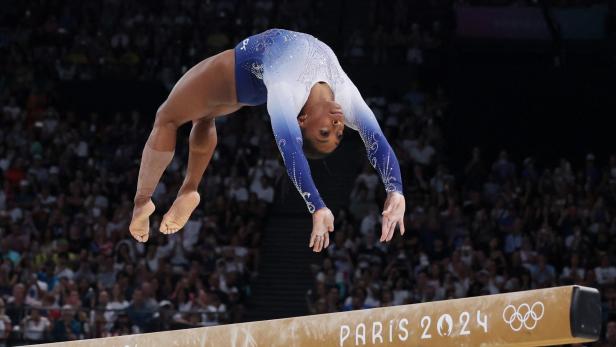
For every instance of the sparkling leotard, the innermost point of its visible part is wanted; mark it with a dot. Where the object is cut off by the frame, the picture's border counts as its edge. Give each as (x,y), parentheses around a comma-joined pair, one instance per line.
(280,67)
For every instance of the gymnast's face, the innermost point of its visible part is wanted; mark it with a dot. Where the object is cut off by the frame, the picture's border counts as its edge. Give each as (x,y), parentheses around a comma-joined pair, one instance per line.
(322,125)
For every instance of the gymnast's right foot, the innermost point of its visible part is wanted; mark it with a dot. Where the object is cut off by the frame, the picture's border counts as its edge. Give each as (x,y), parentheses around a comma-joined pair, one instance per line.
(140,224)
(180,212)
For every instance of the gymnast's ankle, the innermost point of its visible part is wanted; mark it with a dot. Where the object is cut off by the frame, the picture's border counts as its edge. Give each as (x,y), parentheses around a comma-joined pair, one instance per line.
(141,200)
(187,189)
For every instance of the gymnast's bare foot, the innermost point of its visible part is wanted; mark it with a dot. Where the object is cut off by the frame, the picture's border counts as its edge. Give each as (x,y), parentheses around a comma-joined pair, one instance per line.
(180,212)
(140,224)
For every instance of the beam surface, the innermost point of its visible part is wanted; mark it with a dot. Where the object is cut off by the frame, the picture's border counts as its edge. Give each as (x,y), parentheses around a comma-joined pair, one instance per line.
(544,317)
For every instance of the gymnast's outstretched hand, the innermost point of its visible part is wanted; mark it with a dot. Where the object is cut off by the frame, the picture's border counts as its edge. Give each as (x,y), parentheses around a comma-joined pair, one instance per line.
(393,214)
(322,225)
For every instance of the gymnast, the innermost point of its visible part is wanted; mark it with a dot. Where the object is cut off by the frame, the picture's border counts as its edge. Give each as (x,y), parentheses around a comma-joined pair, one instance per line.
(309,99)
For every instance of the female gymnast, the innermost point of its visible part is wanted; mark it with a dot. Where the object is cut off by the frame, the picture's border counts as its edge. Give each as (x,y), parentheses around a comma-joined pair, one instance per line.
(309,99)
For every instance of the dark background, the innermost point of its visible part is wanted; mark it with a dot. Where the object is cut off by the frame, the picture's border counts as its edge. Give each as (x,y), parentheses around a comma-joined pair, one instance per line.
(505,95)
(539,84)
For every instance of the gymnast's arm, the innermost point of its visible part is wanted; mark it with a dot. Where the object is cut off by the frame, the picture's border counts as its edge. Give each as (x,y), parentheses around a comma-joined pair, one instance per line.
(382,157)
(281,106)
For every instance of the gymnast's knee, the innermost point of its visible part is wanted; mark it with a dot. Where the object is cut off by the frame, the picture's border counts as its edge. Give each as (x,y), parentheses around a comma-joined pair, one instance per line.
(203,137)
(165,120)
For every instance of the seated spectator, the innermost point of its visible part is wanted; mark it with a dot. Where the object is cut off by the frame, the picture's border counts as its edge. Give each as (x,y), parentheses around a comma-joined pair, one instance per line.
(369,179)
(356,301)
(151,304)
(543,274)
(605,272)
(610,334)
(370,221)
(123,326)
(423,153)
(441,181)
(16,304)
(102,319)
(360,203)
(5,325)
(36,291)
(213,310)
(237,190)
(573,273)
(503,169)
(107,274)
(263,189)
(138,312)
(36,328)
(115,305)
(67,328)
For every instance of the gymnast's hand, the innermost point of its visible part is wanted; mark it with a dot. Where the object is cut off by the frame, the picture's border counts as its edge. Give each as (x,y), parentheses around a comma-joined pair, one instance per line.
(393,214)
(322,222)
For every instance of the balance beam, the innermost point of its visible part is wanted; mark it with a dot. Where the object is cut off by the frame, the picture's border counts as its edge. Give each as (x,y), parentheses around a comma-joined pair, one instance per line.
(543,317)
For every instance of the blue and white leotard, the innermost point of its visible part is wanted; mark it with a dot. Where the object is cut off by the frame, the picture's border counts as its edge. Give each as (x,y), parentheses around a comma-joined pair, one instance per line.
(280,67)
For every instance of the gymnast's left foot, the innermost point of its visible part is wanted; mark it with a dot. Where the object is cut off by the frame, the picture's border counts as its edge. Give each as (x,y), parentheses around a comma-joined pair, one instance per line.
(180,212)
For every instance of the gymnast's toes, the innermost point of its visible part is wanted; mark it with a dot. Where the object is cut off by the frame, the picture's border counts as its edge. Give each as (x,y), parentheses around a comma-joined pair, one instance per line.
(140,224)
(167,227)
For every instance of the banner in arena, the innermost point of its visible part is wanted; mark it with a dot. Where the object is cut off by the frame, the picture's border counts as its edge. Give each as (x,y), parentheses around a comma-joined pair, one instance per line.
(585,23)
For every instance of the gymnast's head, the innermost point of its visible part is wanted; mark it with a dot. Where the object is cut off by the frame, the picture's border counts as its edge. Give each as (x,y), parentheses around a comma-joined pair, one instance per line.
(322,125)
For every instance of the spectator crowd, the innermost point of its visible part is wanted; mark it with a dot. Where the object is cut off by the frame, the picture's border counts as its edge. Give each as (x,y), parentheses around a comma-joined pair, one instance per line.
(69,269)
(161,39)
(493,226)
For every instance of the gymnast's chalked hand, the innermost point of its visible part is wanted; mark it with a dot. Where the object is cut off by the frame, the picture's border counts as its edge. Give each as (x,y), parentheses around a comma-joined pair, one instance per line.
(322,223)
(393,214)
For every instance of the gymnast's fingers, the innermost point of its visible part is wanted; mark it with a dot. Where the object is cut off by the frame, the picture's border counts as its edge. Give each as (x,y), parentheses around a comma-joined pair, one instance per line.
(318,244)
(385,233)
(384,225)
(391,230)
(326,240)
(402,230)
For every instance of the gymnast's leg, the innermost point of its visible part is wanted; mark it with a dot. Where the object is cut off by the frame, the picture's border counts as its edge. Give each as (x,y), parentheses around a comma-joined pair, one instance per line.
(185,103)
(207,89)
(202,143)
(157,154)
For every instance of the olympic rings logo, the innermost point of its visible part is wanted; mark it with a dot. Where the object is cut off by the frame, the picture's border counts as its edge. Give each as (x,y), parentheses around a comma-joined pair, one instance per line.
(523,316)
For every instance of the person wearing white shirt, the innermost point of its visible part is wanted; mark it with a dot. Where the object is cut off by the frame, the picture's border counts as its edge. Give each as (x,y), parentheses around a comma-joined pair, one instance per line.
(369,222)
(422,153)
(369,179)
(605,273)
(35,327)
(263,190)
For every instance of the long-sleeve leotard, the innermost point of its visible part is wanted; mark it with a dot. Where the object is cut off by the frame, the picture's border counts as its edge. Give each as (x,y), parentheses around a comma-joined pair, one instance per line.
(289,64)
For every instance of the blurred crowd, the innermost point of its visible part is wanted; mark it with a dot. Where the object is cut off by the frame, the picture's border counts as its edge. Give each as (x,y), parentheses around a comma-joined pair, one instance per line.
(161,39)
(556,3)
(495,225)
(69,269)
